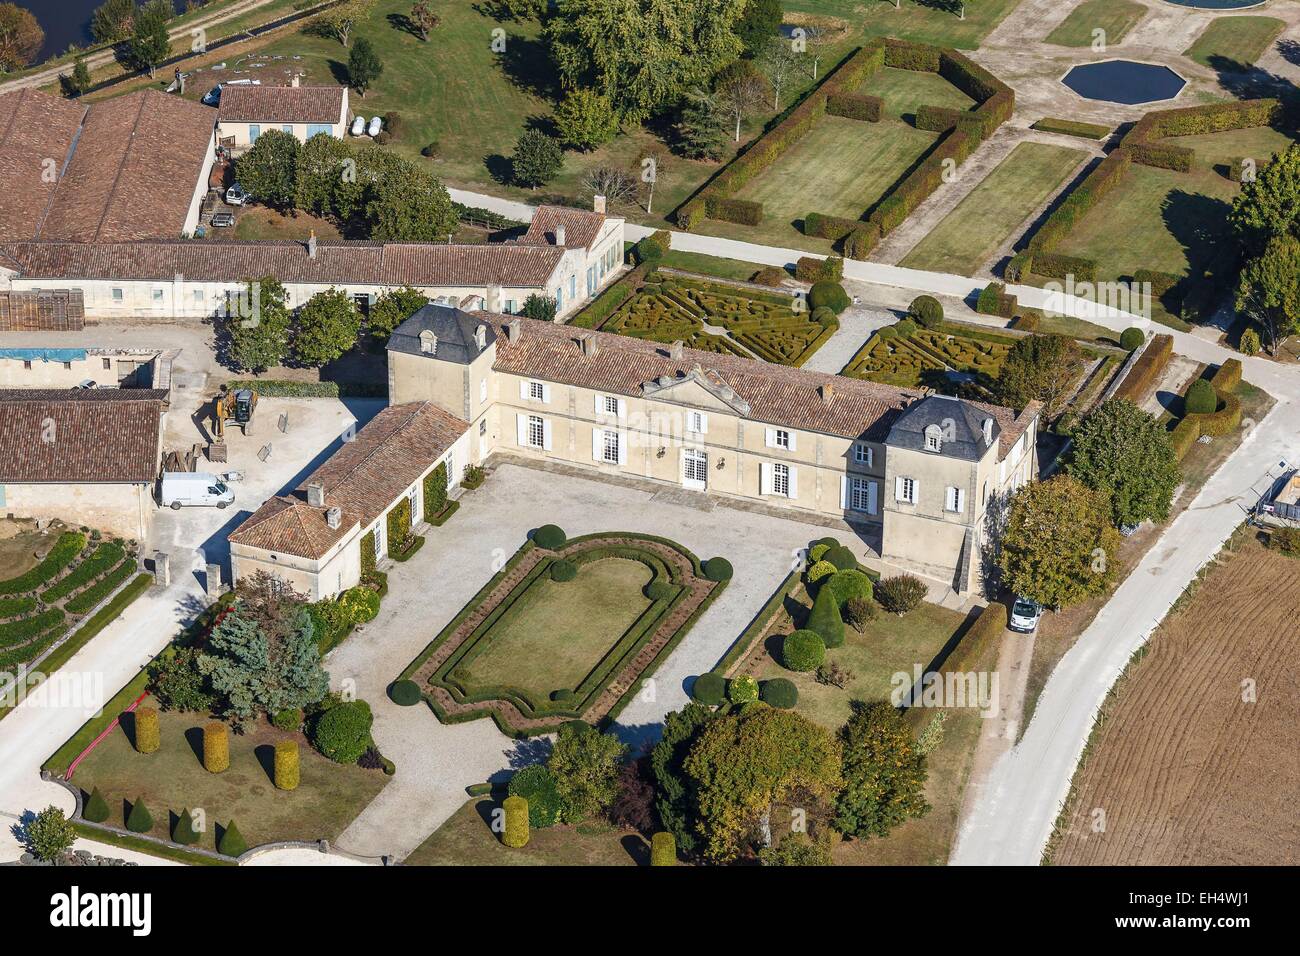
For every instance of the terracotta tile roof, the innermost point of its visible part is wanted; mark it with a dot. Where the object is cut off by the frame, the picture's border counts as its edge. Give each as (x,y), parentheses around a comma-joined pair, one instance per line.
(337,262)
(281,104)
(101,435)
(581,226)
(288,525)
(34,128)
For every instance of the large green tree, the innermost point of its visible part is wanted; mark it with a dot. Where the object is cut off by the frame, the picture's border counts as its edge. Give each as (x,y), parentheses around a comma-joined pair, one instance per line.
(585,119)
(415,208)
(150,44)
(49,834)
(269,170)
(364,65)
(584,764)
(884,772)
(21,37)
(321,165)
(1269,206)
(1123,452)
(328,325)
(1059,545)
(642,54)
(759,22)
(393,308)
(701,126)
(112,21)
(674,799)
(1039,368)
(258,325)
(537,159)
(1268,289)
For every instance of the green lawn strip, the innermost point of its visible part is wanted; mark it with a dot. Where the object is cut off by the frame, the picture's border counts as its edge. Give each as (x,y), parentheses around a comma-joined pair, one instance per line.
(905,90)
(925,22)
(1235,43)
(139,845)
(987,216)
(1114,17)
(105,556)
(717,266)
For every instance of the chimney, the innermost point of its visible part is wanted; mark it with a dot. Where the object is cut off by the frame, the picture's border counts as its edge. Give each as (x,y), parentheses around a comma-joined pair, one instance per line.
(514,330)
(492,302)
(480,337)
(827,391)
(988,432)
(559,234)
(598,204)
(589,345)
(675,351)
(334,518)
(311,245)
(316,494)
(294,82)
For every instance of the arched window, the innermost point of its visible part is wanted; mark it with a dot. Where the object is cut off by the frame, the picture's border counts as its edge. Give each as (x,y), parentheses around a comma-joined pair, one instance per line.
(933,438)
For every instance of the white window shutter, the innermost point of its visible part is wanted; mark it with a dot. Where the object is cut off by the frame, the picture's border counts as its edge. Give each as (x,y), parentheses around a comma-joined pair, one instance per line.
(765,478)
(792,439)
(704,424)
(546,434)
(597,436)
(898,489)
(771,438)
(622,448)
(622,408)
(600,404)
(871,456)
(521,422)
(794,483)
(916,492)
(961,500)
(872,491)
(523,389)
(844,492)
(546,393)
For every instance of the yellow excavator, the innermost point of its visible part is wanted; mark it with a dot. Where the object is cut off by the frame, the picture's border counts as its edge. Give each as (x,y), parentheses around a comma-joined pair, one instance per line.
(238,406)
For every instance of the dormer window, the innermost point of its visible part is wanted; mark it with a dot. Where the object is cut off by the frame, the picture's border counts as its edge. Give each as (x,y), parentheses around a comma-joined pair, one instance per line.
(428,343)
(933,438)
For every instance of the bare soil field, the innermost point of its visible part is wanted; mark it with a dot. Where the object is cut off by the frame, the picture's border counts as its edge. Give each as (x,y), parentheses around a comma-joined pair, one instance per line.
(1185,768)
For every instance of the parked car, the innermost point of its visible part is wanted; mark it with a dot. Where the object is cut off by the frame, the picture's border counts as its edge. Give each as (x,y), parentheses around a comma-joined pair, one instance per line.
(85,383)
(236,196)
(194,489)
(223,220)
(1025,615)
(376,126)
(358,126)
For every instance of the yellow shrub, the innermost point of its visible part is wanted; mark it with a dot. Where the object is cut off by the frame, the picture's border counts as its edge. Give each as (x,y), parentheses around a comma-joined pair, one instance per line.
(148,735)
(663,850)
(286,765)
(516,830)
(216,746)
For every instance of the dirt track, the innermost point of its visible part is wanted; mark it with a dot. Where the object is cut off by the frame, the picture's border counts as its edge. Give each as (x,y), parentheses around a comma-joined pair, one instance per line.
(1183,769)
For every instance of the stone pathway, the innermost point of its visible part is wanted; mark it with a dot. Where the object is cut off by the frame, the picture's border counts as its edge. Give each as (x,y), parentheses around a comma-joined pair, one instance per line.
(857,324)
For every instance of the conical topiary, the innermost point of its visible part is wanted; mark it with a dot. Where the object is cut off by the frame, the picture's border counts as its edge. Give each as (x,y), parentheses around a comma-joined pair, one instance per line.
(148,737)
(96,808)
(139,820)
(216,746)
(825,619)
(184,832)
(286,764)
(232,841)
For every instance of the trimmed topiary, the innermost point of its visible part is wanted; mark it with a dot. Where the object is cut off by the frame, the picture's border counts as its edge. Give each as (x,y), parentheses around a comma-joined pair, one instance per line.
(287,767)
(216,746)
(232,842)
(514,834)
(803,651)
(717,569)
(561,695)
(1201,399)
(900,594)
(847,585)
(1131,338)
(536,784)
(360,604)
(822,569)
(287,719)
(742,689)
(562,570)
(663,849)
(96,808)
(658,590)
(825,620)
(342,733)
(771,276)
(828,295)
(927,310)
(780,692)
(709,689)
(842,558)
(139,820)
(184,832)
(549,536)
(817,552)
(404,693)
(148,735)
(828,541)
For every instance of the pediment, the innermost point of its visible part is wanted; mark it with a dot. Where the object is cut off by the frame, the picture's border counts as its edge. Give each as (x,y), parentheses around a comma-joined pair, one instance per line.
(698,389)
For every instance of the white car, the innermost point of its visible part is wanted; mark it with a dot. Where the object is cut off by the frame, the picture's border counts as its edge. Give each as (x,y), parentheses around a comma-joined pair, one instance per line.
(358,126)
(1025,615)
(236,196)
(376,125)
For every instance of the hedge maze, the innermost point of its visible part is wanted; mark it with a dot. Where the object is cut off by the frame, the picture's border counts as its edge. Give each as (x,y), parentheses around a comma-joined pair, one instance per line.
(911,356)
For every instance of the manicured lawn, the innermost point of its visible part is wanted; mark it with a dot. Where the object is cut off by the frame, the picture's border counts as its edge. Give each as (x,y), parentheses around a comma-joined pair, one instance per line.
(710,265)
(555,633)
(1115,17)
(904,90)
(970,234)
(259,222)
(1215,150)
(926,21)
(1235,43)
(172,779)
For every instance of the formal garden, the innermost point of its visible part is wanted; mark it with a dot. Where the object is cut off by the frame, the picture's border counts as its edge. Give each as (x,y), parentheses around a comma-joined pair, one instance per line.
(566,630)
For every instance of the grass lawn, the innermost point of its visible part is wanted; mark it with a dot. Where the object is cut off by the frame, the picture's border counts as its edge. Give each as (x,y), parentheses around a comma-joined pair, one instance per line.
(1216,151)
(260,222)
(926,21)
(710,265)
(1235,43)
(466,839)
(904,90)
(555,633)
(974,230)
(172,779)
(1116,17)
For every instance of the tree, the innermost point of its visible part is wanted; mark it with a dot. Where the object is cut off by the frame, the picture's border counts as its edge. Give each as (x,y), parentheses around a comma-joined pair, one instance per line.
(49,834)
(1123,452)
(585,120)
(261,655)
(584,764)
(364,66)
(701,126)
(759,22)
(112,21)
(1269,206)
(744,767)
(674,803)
(414,209)
(796,849)
(328,326)
(150,43)
(739,90)
(78,82)
(1039,368)
(537,159)
(259,327)
(1268,290)
(269,170)
(321,164)
(541,307)
(614,184)
(21,37)
(812,40)
(519,9)
(393,308)
(423,19)
(884,772)
(642,54)
(1059,545)
(778,61)
(339,21)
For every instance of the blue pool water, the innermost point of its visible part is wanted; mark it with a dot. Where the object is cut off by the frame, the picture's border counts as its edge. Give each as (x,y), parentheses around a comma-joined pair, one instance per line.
(1124,81)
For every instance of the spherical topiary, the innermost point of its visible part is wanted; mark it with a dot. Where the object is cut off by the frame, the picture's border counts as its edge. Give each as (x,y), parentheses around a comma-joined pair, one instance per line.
(563,570)
(822,569)
(828,541)
(742,689)
(96,808)
(825,318)
(817,552)
(659,590)
(404,693)
(216,746)
(803,651)
(342,733)
(848,584)
(709,689)
(927,310)
(536,784)
(827,294)
(139,820)
(148,735)
(550,537)
(663,849)
(900,594)
(515,832)
(843,558)
(232,842)
(1131,338)
(286,765)
(718,569)
(1201,398)
(780,692)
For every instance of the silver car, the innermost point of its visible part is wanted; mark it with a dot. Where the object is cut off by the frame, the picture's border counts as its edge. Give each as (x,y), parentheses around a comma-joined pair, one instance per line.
(1025,615)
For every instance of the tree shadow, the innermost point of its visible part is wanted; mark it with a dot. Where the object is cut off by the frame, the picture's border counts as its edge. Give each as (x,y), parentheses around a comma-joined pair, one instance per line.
(500,168)
(526,63)
(1199,224)
(1290,50)
(403,24)
(637,848)
(339,71)
(127,807)
(127,722)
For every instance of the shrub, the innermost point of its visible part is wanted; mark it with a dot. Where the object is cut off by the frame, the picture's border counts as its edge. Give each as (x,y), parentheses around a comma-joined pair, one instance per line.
(819,570)
(813,269)
(848,585)
(563,570)
(1147,368)
(900,594)
(216,746)
(855,106)
(780,692)
(561,695)
(1286,540)
(288,719)
(927,310)
(515,832)
(1018,266)
(1072,128)
(659,590)
(742,690)
(287,765)
(1249,343)
(825,318)
(663,849)
(96,808)
(825,620)
(232,842)
(1132,338)
(652,248)
(1201,398)
(184,832)
(717,569)
(1028,322)
(740,211)
(342,733)
(771,276)
(550,537)
(435,492)
(858,612)
(803,651)
(842,557)
(359,604)
(903,328)
(1184,436)
(148,735)
(430,150)
(861,242)
(828,295)
(536,785)
(818,551)
(404,693)
(993,300)
(834,228)
(139,820)
(709,689)
(1228,376)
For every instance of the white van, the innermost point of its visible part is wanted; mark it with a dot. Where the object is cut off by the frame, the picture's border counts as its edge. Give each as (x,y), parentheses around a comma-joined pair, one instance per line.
(194,488)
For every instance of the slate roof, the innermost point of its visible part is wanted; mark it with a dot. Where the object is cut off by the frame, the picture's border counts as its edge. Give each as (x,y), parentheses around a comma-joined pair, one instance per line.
(76,435)
(280,104)
(452,328)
